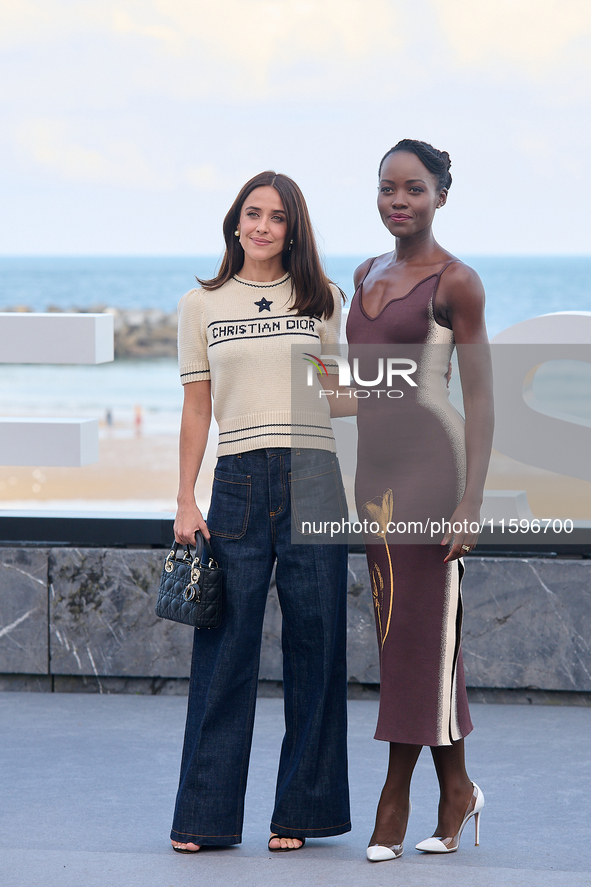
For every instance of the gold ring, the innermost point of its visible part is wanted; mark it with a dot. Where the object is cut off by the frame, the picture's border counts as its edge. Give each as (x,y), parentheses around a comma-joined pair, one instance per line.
(466,547)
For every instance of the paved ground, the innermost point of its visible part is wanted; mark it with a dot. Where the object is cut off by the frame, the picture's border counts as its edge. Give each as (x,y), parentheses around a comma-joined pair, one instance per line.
(88,782)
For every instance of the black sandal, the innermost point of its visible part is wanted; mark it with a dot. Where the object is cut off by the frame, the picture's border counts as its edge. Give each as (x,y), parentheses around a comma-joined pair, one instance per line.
(285,849)
(183,849)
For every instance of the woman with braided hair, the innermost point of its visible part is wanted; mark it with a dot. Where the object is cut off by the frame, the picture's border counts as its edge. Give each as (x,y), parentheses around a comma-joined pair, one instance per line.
(419,463)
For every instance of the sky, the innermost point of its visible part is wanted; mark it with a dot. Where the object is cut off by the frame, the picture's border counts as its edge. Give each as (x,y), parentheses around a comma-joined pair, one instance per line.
(128,126)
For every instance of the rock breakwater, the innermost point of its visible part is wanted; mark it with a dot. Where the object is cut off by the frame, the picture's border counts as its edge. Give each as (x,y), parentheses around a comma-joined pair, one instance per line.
(139,333)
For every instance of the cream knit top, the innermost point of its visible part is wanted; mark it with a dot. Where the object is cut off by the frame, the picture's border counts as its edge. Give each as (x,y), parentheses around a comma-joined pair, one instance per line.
(241,336)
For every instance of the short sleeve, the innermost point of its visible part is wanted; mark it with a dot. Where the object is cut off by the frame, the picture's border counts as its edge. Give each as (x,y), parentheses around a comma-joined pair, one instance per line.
(192,338)
(330,333)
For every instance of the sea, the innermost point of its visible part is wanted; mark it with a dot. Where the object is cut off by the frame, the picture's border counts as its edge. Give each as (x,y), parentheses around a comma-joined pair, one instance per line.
(517,288)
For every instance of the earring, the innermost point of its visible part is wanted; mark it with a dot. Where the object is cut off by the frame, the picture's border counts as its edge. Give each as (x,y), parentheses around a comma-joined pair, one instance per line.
(290,245)
(236,233)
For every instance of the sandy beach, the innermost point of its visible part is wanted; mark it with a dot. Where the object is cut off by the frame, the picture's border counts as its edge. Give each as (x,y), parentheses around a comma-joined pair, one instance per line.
(133,473)
(141,473)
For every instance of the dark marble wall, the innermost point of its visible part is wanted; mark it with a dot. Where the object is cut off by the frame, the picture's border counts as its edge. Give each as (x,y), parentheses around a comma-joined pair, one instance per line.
(102,618)
(528,623)
(23,611)
(74,612)
(362,646)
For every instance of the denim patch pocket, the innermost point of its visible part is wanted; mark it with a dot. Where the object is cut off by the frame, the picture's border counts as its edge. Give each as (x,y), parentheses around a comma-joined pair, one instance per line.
(230,505)
(317,496)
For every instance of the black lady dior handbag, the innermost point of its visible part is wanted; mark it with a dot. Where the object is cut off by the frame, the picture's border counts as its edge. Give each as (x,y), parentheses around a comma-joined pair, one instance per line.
(191,588)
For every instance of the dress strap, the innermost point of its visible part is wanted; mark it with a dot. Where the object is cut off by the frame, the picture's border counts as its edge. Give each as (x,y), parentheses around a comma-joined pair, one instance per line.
(367,272)
(447,264)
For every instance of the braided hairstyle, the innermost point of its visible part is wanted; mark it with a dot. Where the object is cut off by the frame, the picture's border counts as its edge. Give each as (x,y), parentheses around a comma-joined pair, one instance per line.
(437,162)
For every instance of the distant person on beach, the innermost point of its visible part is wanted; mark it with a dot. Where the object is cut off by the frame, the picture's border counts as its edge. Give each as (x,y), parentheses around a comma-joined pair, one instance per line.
(138,419)
(419,462)
(235,340)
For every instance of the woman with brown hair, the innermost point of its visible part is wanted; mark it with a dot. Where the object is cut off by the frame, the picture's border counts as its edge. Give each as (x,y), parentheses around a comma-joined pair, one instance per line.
(420,478)
(235,339)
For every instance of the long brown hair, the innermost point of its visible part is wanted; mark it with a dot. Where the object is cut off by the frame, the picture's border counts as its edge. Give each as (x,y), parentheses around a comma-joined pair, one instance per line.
(309,282)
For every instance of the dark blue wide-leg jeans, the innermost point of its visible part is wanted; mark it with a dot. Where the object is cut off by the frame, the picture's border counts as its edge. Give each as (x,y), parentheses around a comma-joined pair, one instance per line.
(250,522)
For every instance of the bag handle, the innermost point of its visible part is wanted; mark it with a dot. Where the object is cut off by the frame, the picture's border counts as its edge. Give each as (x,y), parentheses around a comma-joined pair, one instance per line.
(202,547)
(175,547)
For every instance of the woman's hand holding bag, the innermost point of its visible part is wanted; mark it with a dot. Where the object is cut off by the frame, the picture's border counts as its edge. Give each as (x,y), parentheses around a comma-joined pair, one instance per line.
(191,588)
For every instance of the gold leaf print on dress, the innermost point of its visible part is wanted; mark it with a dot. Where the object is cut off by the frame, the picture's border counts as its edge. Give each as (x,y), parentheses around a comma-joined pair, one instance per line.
(380,510)
(377,588)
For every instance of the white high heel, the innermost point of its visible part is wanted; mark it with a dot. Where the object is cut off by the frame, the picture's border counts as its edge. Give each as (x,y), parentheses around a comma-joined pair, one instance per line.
(381,852)
(450,845)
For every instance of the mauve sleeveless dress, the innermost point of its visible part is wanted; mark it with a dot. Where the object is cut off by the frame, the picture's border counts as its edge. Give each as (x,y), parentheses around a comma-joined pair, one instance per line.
(411,466)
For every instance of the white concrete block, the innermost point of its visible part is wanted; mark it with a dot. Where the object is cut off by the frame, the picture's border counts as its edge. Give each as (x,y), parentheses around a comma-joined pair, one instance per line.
(55,338)
(505,505)
(558,328)
(48,442)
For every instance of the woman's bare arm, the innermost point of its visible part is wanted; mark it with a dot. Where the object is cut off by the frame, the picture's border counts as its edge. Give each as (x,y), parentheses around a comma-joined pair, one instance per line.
(341,400)
(463,307)
(195,422)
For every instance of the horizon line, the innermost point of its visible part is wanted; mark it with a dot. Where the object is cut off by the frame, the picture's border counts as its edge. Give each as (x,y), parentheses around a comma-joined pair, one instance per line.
(217,257)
